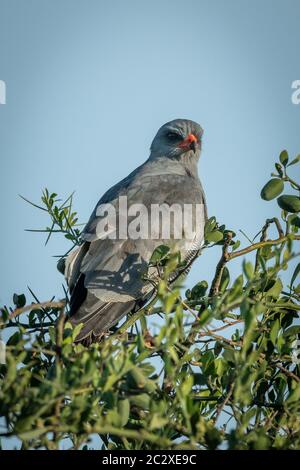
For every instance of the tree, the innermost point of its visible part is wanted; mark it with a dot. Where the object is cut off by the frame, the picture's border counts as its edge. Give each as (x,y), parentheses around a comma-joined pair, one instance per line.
(222,372)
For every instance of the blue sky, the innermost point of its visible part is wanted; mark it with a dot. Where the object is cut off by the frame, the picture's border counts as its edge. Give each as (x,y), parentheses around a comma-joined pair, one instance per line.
(89,83)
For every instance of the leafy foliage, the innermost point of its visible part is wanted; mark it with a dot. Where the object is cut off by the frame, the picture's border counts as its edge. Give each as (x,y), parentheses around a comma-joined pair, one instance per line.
(221,372)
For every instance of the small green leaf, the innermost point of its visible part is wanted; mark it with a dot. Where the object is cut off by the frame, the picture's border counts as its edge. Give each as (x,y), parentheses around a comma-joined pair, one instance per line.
(294,396)
(159,253)
(19,300)
(157,422)
(236,245)
(296,160)
(274,332)
(248,269)
(275,288)
(204,318)
(294,220)
(214,237)
(76,331)
(142,400)
(272,189)
(220,366)
(210,225)
(297,289)
(284,158)
(295,274)
(137,377)
(292,331)
(279,169)
(124,409)
(199,290)
(170,301)
(187,385)
(51,331)
(225,279)
(289,203)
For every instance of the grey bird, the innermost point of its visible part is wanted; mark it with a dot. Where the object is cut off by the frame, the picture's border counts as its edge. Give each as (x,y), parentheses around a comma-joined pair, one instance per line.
(106,276)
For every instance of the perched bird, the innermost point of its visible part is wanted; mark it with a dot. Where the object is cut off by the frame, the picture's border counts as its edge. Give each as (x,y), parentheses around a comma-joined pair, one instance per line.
(105,274)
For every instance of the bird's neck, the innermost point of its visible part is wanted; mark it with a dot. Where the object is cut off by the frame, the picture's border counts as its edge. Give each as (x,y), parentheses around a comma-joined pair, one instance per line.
(189,163)
(185,164)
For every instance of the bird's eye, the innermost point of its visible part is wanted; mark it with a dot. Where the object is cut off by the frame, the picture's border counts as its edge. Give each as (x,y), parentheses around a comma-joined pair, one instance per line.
(173,136)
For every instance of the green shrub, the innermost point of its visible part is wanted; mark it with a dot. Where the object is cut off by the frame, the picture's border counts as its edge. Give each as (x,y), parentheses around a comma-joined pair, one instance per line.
(222,371)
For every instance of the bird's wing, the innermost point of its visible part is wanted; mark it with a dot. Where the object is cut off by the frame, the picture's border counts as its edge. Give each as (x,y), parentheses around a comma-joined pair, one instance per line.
(106,274)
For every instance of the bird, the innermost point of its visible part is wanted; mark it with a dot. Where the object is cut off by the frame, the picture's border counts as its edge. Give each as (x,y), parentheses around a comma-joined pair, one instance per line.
(106,274)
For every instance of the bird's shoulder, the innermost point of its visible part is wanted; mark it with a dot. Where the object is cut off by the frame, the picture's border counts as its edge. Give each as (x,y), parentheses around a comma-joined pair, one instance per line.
(151,183)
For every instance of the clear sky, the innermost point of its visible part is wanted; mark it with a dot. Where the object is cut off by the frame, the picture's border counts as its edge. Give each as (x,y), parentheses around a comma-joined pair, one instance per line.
(89,83)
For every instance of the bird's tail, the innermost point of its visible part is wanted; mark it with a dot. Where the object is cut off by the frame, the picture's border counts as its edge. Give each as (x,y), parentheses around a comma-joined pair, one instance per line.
(97,317)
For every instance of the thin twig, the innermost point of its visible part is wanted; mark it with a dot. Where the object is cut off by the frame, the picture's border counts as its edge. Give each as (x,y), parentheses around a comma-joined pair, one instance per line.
(48,304)
(60,332)
(263,237)
(215,286)
(223,327)
(224,403)
(256,246)
(287,372)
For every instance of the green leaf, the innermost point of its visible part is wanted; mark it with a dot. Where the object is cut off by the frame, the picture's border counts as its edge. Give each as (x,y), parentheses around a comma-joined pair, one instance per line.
(187,385)
(289,203)
(297,289)
(292,331)
(14,339)
(296,160)
(294,395)
(214,237)
(274,332)
(236,245)
(295,274)
(159,253)
(229,355)
(237,288)
(272,189)
(157,422)
(210,225)
(284,158)
(52,334)
(220,366)
(248,269)
(76,331)
(204,317)
(150,386)
(279,169)
(275,288)
(225,279)
(142,400)
(124,410)
(199,290)
(19,300)
(137,376)
(294,220)
(170,301)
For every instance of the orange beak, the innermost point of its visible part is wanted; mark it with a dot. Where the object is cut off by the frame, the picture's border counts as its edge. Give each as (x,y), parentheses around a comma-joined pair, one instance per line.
(189,143)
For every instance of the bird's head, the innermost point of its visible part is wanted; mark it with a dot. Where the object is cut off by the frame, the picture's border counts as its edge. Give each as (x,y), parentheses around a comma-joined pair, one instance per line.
(178,138)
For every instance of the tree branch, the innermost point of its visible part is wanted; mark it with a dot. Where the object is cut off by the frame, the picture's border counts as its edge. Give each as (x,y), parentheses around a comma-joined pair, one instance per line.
(48,304)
